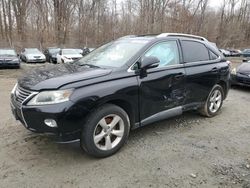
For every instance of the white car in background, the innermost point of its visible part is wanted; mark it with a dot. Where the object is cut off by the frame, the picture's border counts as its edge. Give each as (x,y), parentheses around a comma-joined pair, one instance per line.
(68,55)
(32,55)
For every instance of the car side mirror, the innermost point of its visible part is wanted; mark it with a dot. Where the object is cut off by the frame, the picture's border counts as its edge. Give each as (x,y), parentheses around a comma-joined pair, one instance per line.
(149,62)
(244,60)
(145,64)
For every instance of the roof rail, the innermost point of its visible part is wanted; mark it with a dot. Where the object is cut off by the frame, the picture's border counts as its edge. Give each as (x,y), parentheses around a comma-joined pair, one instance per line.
(127,36)
(182,35)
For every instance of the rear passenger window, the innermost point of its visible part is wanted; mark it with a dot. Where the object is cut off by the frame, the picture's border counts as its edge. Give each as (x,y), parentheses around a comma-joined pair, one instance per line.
(194,51)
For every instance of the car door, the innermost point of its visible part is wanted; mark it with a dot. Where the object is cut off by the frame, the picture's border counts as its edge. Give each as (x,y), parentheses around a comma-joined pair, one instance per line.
(161,92)
(202,69)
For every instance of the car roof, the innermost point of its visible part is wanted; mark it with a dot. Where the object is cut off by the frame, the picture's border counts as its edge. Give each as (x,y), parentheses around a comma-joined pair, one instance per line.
(53,48)
(7,49)
(164,35)
(159,37)
(30,48)
(68,48)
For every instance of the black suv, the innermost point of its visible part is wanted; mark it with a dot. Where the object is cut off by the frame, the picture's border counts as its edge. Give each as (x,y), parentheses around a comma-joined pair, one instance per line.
(122,85)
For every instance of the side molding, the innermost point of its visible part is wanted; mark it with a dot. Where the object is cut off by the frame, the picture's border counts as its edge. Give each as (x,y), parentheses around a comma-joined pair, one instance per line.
(162,115)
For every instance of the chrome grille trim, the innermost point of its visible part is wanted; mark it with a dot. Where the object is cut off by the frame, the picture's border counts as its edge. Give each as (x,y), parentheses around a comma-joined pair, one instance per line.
(21,95)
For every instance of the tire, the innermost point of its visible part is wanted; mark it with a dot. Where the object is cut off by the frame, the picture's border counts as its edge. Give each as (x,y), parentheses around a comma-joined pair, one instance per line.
(214,102)
(51,61)
(107,143)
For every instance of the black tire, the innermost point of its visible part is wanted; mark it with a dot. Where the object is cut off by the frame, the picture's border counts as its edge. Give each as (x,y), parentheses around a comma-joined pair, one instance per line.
(89,130)
(205,110)
(51,60)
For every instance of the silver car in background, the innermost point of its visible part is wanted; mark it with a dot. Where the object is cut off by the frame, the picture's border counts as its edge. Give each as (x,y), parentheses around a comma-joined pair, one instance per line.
(32,55)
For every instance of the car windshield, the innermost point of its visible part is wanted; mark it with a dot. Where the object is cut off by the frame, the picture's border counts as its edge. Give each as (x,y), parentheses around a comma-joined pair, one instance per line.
(4,52)
(32,50)
(54,50)
(69,51)
(247,51)
(114,54)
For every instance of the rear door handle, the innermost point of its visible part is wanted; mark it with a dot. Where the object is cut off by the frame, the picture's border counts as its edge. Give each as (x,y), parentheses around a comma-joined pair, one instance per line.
(179,76)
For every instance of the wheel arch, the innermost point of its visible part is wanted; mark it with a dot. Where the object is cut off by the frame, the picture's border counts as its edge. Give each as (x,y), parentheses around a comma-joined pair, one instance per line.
(223,84)
(125,105)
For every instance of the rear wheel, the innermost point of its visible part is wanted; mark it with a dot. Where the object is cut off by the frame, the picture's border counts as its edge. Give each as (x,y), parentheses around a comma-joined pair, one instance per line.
(105,131)
(214,102)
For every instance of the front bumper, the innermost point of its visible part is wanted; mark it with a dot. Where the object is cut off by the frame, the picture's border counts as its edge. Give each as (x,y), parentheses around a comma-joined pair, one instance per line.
(2,65)
(240,79)
(68,60)
(69,118)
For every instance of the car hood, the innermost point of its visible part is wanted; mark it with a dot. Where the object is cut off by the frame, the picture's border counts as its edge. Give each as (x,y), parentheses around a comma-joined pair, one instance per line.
(8,57)
(38,54)
(244,68)
(72,56)
(56,76)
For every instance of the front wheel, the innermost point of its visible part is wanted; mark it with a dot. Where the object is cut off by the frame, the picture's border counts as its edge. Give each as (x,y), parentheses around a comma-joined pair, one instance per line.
(105,131)
(214,102)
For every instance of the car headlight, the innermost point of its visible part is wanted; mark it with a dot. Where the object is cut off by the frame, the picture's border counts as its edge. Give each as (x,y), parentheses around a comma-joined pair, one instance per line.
(50,97)
(30,57)
(15,60)
(234,71)
(66,58)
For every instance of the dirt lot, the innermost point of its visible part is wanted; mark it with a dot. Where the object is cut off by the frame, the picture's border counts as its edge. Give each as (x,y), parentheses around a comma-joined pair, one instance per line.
(187,151)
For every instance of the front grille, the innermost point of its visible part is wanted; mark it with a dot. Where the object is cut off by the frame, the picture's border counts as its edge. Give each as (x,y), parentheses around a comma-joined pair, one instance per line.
(75,58)
(21,94)
(37,57)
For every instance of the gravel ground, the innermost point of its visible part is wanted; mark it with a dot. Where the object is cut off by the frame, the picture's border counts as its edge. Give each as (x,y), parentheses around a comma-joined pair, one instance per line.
(186,151)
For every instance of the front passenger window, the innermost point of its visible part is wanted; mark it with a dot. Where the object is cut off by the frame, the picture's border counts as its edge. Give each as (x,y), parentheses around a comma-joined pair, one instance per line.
(166,52)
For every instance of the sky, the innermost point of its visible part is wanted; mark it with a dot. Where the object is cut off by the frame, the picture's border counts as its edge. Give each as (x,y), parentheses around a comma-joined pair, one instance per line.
(215,3)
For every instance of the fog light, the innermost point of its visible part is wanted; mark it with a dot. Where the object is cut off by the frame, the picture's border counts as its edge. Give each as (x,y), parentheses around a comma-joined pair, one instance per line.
(50,123)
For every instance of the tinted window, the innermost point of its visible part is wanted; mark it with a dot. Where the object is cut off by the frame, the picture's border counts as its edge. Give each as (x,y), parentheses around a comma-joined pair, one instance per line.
(194,51)
(166,52)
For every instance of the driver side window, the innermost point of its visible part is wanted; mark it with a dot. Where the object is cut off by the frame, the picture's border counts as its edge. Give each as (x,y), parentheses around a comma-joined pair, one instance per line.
(166,52)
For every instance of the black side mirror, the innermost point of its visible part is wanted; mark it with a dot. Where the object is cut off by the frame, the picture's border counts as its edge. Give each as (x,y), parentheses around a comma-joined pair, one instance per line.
(145,64)
(244,60)
(149,62)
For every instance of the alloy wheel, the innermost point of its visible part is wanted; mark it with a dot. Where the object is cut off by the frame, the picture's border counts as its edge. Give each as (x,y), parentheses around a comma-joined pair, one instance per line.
(108,132)
(215,101)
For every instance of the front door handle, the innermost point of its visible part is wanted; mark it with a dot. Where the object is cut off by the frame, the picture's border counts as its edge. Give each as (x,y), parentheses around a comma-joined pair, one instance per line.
(179,76)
